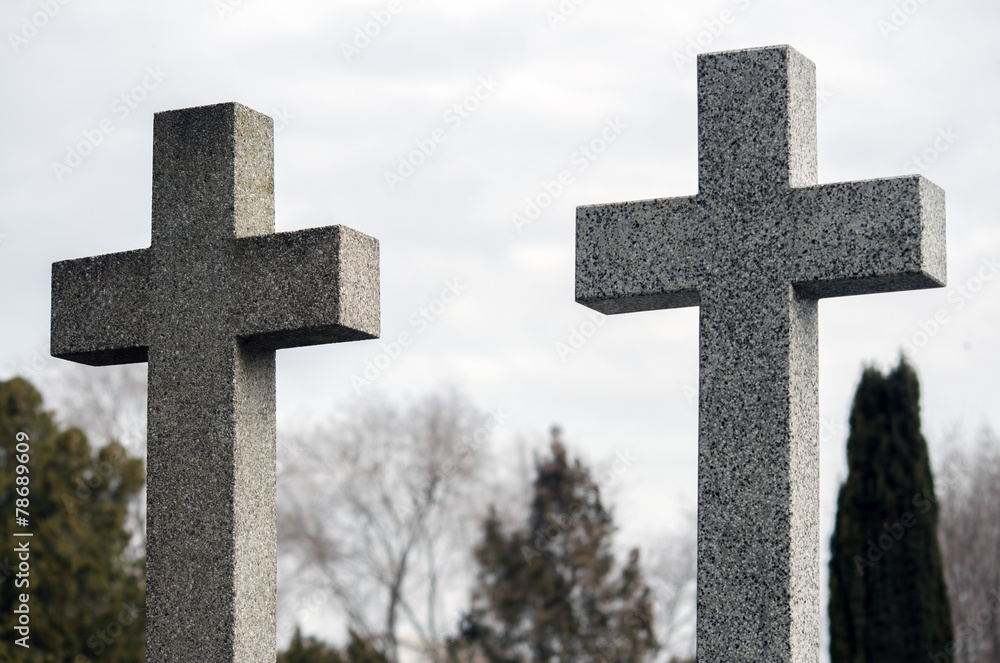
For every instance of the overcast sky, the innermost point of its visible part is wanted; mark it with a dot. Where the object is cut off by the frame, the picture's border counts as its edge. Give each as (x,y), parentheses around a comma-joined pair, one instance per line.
(507,93)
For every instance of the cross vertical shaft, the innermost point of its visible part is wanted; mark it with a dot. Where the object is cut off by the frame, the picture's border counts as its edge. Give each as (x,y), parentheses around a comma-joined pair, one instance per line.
(758,478)
(756,121)
(211,515)
(758,437)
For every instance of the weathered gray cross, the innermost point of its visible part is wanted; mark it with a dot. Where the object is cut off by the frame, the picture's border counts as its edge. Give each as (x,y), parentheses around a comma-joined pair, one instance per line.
(207,304)
(755,249)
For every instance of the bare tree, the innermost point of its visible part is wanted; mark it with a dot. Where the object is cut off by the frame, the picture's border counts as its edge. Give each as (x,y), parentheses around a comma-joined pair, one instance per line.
(969,495)
(672,574)
(107,403)
(381,507)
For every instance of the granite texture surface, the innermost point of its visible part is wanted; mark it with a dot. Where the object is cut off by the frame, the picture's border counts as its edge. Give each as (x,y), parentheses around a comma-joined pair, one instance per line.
(756,248)
(207,304)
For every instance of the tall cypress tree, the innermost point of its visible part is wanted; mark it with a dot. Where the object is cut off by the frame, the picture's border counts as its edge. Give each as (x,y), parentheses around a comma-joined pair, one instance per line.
(888,600)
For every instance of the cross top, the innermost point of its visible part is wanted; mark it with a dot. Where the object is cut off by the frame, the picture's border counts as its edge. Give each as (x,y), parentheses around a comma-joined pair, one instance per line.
(756,121)
(238,169)
(755,249)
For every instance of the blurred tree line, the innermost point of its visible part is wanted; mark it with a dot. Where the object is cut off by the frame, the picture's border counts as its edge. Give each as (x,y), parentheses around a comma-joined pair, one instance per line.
(388,516)
(399,527)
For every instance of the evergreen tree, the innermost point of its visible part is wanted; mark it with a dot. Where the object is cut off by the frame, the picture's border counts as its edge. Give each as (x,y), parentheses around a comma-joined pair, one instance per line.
(552,591)
(86,591)
(888,600)
(311,650)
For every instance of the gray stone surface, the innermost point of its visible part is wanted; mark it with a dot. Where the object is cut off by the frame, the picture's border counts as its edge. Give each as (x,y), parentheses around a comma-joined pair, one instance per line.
(207,304)
(756,248)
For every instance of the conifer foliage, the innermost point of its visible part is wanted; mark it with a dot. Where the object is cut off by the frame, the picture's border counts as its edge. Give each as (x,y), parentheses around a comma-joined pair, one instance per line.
(85,588)
(312,650)
(552,591)
(888,600)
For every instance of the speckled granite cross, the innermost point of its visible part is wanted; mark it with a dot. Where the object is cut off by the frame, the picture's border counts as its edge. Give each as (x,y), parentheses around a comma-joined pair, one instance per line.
(755,249)
(207,304)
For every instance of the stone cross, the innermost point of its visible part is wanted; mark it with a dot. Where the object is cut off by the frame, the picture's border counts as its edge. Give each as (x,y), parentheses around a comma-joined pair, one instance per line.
(207,304)
(755,249)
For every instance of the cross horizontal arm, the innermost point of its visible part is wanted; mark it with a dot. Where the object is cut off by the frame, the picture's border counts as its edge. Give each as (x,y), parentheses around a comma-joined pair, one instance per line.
(640,256)
(313,286)
(870,236)
(99,308)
